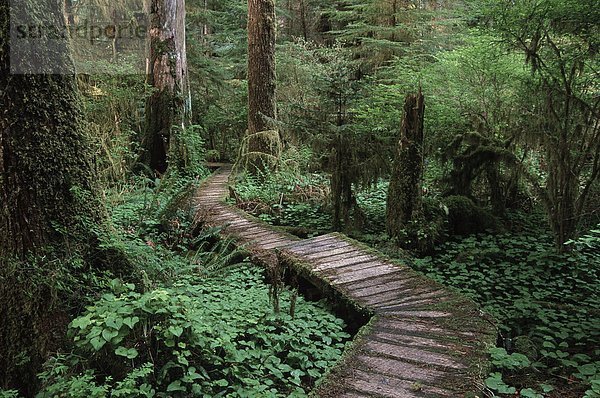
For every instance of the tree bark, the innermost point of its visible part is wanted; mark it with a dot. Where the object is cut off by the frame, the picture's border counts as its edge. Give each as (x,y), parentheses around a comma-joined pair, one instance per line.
(169,106)
(50,211)
(404,194)
(263,138)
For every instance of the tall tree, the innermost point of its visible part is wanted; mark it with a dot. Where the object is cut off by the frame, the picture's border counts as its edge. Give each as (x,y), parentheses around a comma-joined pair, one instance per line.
(404,194)
(49,208)
(169,106)
(263,137)
(560,41)
(379,30)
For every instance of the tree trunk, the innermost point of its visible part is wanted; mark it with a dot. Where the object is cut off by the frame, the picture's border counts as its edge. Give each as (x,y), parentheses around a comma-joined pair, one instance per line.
(563,190)
(263,138)
(169,106)
(497,198)
(49,208)
(404,194)
(347,215)
(303,20)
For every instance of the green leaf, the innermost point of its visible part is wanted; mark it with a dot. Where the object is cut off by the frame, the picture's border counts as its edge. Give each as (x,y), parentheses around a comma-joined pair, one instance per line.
(495,382)
(81,322)
(114,323)
(588,369)
(546,388)
(97,342)
(129,353)
(222,383)
(175,386)
(108,334)
(131,321)
(176,330)
(530,393)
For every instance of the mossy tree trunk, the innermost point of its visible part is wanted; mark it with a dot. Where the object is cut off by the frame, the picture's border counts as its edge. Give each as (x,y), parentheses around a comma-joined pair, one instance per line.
(404,194)
(49,208)
(169,106)
(46,175)
(342,178)
(262,136)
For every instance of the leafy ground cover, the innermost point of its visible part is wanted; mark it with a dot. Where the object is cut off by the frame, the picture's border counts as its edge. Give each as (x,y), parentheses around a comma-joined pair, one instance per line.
(546,304)
(194,319)
(204,337)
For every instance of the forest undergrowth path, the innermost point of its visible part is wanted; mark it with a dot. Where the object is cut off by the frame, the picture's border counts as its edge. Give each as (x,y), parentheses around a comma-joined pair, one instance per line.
(423,340)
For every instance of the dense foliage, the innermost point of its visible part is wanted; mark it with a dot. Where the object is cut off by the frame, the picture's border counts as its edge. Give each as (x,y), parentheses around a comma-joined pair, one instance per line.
(507,213)
(198,319)
(206,337)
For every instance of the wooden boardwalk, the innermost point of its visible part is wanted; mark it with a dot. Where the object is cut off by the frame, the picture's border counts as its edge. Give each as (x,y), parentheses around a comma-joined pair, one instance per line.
(423,340)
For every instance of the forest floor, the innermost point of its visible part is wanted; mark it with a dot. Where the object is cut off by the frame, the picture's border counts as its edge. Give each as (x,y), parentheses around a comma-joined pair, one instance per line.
(547,304)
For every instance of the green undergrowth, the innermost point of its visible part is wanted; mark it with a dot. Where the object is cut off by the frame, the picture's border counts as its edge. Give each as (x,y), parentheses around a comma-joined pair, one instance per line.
(287,199)
(546,304)
(202,337)
(194,318)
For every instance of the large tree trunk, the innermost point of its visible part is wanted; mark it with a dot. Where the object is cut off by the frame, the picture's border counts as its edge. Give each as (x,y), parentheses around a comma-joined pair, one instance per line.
(404,194)
(263,138)
(46,178)
(49,209)
(169,106)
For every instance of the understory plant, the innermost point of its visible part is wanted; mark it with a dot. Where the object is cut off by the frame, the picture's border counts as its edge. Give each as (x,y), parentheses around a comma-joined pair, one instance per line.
(194,319)
(199,337)
(546,305)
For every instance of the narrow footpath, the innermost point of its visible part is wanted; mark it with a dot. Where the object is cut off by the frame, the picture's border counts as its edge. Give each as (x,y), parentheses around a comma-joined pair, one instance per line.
(423,340)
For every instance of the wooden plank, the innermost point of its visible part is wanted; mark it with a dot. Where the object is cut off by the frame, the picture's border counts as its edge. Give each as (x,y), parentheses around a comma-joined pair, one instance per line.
(417,305)
(402,312)
(348,269)
(413,354)
(380,385)
(310,241)
(386,279)
(354,395)
(273,237)
(418,327)
(348,257)
(320,247)
(401,369)
(402,297)
(362,275)
(254,232)
(394,387)
(260,238)
(333,255)
(280,243)
(322,264)
(412,341)
(380,288)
